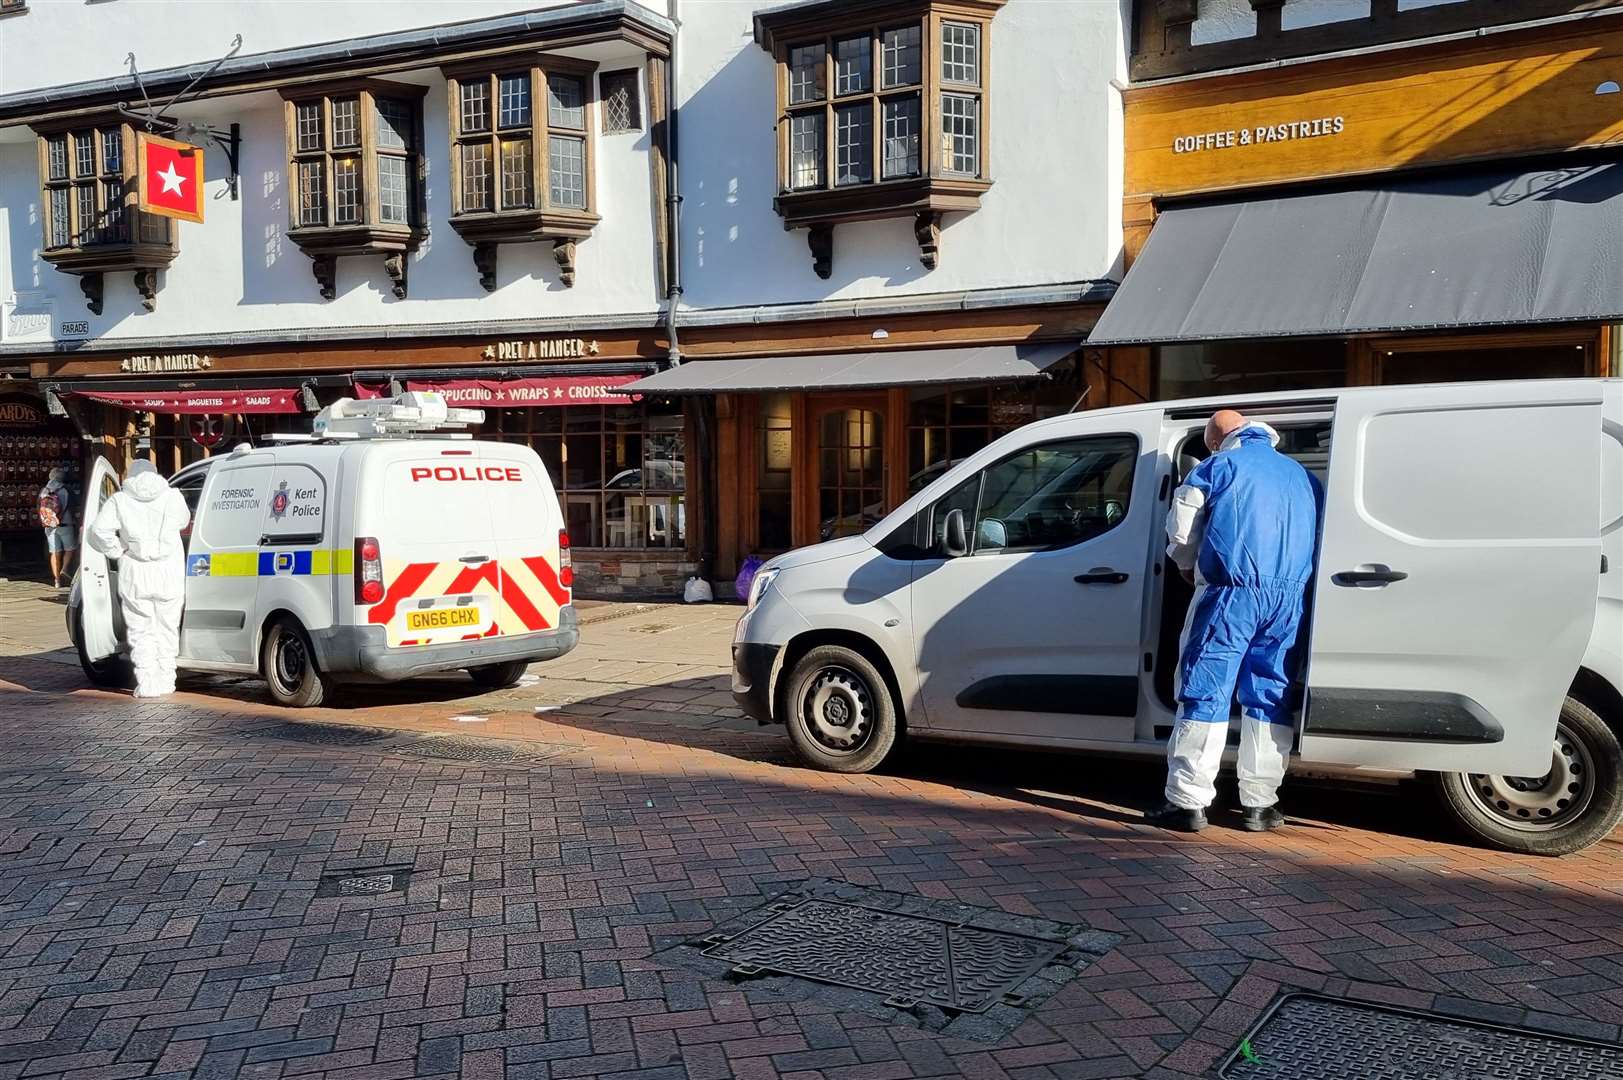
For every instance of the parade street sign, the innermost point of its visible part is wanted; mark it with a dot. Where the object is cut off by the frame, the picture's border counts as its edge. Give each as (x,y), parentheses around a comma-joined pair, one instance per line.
(171,177)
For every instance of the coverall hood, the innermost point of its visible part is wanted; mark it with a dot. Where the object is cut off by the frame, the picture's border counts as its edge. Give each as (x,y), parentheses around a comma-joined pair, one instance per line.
(1249,431)
(145,484)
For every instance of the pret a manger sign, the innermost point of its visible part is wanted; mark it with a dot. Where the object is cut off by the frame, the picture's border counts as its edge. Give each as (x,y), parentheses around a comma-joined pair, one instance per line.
(170,177)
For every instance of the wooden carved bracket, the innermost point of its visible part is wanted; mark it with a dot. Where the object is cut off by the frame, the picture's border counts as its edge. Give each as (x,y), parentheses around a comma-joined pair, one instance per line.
(927,229)
(91,285)
(325,268)
(395,266)
(820,238)
(146,283)
(484,258)
(564,252)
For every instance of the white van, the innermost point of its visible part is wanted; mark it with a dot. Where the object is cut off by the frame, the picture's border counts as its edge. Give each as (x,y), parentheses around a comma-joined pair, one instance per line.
(388,545)
(1466,620)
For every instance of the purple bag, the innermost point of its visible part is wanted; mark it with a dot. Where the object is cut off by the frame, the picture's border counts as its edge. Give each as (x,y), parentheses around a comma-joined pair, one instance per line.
(746,577)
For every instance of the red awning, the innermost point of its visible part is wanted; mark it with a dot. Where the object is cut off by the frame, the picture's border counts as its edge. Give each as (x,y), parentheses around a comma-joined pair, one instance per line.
(200,402)
(536,393)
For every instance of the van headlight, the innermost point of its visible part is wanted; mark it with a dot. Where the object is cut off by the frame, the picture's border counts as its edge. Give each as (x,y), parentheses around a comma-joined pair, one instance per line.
(763,581)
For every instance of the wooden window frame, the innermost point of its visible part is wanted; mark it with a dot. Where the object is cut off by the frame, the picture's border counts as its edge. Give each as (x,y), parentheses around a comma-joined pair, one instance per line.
(936,189)
(542,221)
(326,242)
(147,243)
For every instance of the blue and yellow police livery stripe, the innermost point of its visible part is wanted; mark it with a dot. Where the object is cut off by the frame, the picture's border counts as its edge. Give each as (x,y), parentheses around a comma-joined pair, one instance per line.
(320,562)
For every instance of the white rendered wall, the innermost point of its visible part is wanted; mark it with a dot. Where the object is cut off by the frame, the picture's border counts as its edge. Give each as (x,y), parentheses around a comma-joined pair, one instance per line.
(1299,13)
(1410,5)
(1054,159)
(1222,20)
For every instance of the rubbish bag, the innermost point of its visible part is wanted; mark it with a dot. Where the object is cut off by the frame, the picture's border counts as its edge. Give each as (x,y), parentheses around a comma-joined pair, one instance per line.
(697,591)
(746,577)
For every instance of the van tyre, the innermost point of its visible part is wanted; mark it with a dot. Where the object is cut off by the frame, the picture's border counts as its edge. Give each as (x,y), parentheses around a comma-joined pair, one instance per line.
(499,676)
(839,711)
(289,665)
(112,672)
(1577,803)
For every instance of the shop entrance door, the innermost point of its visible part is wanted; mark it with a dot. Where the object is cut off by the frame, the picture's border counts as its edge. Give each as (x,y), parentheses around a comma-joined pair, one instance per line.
(849,470)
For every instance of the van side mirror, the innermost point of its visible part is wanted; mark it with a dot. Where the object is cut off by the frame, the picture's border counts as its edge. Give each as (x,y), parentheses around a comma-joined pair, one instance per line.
(954,536)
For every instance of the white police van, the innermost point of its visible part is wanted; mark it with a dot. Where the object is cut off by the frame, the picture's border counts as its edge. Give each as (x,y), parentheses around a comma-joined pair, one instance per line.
(386,544)
(1466,622)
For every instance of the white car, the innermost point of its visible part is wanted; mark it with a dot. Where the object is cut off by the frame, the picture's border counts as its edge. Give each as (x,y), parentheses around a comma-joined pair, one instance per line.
(1466,619)
(385,546)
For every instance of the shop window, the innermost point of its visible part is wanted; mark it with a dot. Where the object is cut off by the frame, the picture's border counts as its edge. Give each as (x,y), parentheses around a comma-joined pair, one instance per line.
(774,466)
(355,169)
(880,118)
(851,473)
(87,209)
(947,424)
(620,470)
(1245,367)
(1413,364)
(521,159)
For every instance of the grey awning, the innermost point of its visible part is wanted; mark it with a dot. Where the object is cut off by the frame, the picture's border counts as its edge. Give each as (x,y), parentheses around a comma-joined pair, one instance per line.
(1489,248)
(846,371)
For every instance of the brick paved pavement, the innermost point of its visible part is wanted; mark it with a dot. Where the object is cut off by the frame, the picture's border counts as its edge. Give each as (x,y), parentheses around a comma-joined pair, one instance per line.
(158,864)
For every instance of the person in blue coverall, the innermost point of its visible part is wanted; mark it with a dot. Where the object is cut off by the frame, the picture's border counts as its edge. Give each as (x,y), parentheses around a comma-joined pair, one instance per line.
(1244,528)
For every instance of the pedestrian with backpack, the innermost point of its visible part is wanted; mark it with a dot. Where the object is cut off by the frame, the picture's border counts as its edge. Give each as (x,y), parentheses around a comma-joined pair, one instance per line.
(59,519)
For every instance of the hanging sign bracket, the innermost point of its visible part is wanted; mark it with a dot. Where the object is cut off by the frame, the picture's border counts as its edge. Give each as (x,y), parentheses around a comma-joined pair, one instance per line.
(155,119)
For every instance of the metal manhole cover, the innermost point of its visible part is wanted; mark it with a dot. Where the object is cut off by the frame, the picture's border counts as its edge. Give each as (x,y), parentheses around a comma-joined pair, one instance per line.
(1308,1037)
(908,958)
(326,734)
(481,751)
(371,882)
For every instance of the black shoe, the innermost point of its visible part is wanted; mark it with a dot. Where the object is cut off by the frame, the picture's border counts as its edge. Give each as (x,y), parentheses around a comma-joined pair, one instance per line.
(1176,818)
(1262,818)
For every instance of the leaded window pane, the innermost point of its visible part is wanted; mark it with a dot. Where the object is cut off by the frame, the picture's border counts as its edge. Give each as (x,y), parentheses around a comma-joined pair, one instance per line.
(853,65)
(622,109)
(84,154)
(346,191)
(476,106)
(116,226)
(393,191)
(806,73)
(566,171)
(56,157)
(112,151)
(518,175)
(566,102)
(307,125)
(514,105)
(154,229)
(476,186)
(853,143)
(89,225)
(901,132)
(961,133)
(312,193)
(901,63)
(61,219)
(961,53)
(806,150)
(346,122)
(395,126)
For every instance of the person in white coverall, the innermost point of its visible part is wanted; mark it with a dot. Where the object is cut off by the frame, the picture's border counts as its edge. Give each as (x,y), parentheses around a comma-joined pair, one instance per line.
(140,526)
(1244,529)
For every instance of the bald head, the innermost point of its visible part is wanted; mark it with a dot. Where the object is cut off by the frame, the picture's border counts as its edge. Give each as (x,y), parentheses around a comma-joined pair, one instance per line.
(1222,424)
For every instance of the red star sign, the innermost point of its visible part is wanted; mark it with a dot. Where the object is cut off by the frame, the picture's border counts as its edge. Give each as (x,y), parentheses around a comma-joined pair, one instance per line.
(171,177)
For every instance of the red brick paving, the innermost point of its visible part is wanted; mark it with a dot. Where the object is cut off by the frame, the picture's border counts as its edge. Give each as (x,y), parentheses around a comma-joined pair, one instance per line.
(157,912)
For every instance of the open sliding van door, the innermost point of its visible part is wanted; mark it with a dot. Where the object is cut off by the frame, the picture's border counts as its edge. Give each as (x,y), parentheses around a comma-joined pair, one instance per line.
(1457,575)
(98,592)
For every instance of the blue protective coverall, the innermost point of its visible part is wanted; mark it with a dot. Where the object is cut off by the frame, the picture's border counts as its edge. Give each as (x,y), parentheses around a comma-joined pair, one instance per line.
(1246,521)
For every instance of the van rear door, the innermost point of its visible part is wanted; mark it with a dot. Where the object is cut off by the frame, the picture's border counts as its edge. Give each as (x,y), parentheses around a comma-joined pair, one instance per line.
(1457,575)
(527,522)
(432,520)
(99,620)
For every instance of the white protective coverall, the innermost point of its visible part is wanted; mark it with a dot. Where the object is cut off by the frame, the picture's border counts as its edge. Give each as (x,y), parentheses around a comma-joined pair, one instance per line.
(140,526)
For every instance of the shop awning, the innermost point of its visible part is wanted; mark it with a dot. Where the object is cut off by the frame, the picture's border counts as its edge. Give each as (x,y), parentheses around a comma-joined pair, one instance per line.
(849,371)
(1485,248)
(201,402)
(522,393)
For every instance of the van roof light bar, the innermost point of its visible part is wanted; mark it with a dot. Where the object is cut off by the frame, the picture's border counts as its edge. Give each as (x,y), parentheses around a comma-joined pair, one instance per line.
(413,414)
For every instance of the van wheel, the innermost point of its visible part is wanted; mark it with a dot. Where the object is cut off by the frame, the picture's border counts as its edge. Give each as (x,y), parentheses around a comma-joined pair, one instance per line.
(1577,803)
(838,711)
(289,666)
(499,676)
(113,672)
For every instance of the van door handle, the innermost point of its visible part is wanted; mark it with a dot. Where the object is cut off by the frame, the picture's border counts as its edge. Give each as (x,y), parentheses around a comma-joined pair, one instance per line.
(1101,577)
(474,560)
(1368,577)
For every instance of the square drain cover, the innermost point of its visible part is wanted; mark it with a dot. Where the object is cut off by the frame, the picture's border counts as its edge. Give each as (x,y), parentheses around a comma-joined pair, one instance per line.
(1308,1037)
(907,957)
(378,882)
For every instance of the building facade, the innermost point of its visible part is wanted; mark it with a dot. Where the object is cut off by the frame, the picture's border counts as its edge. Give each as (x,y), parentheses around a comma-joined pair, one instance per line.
(534,207)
